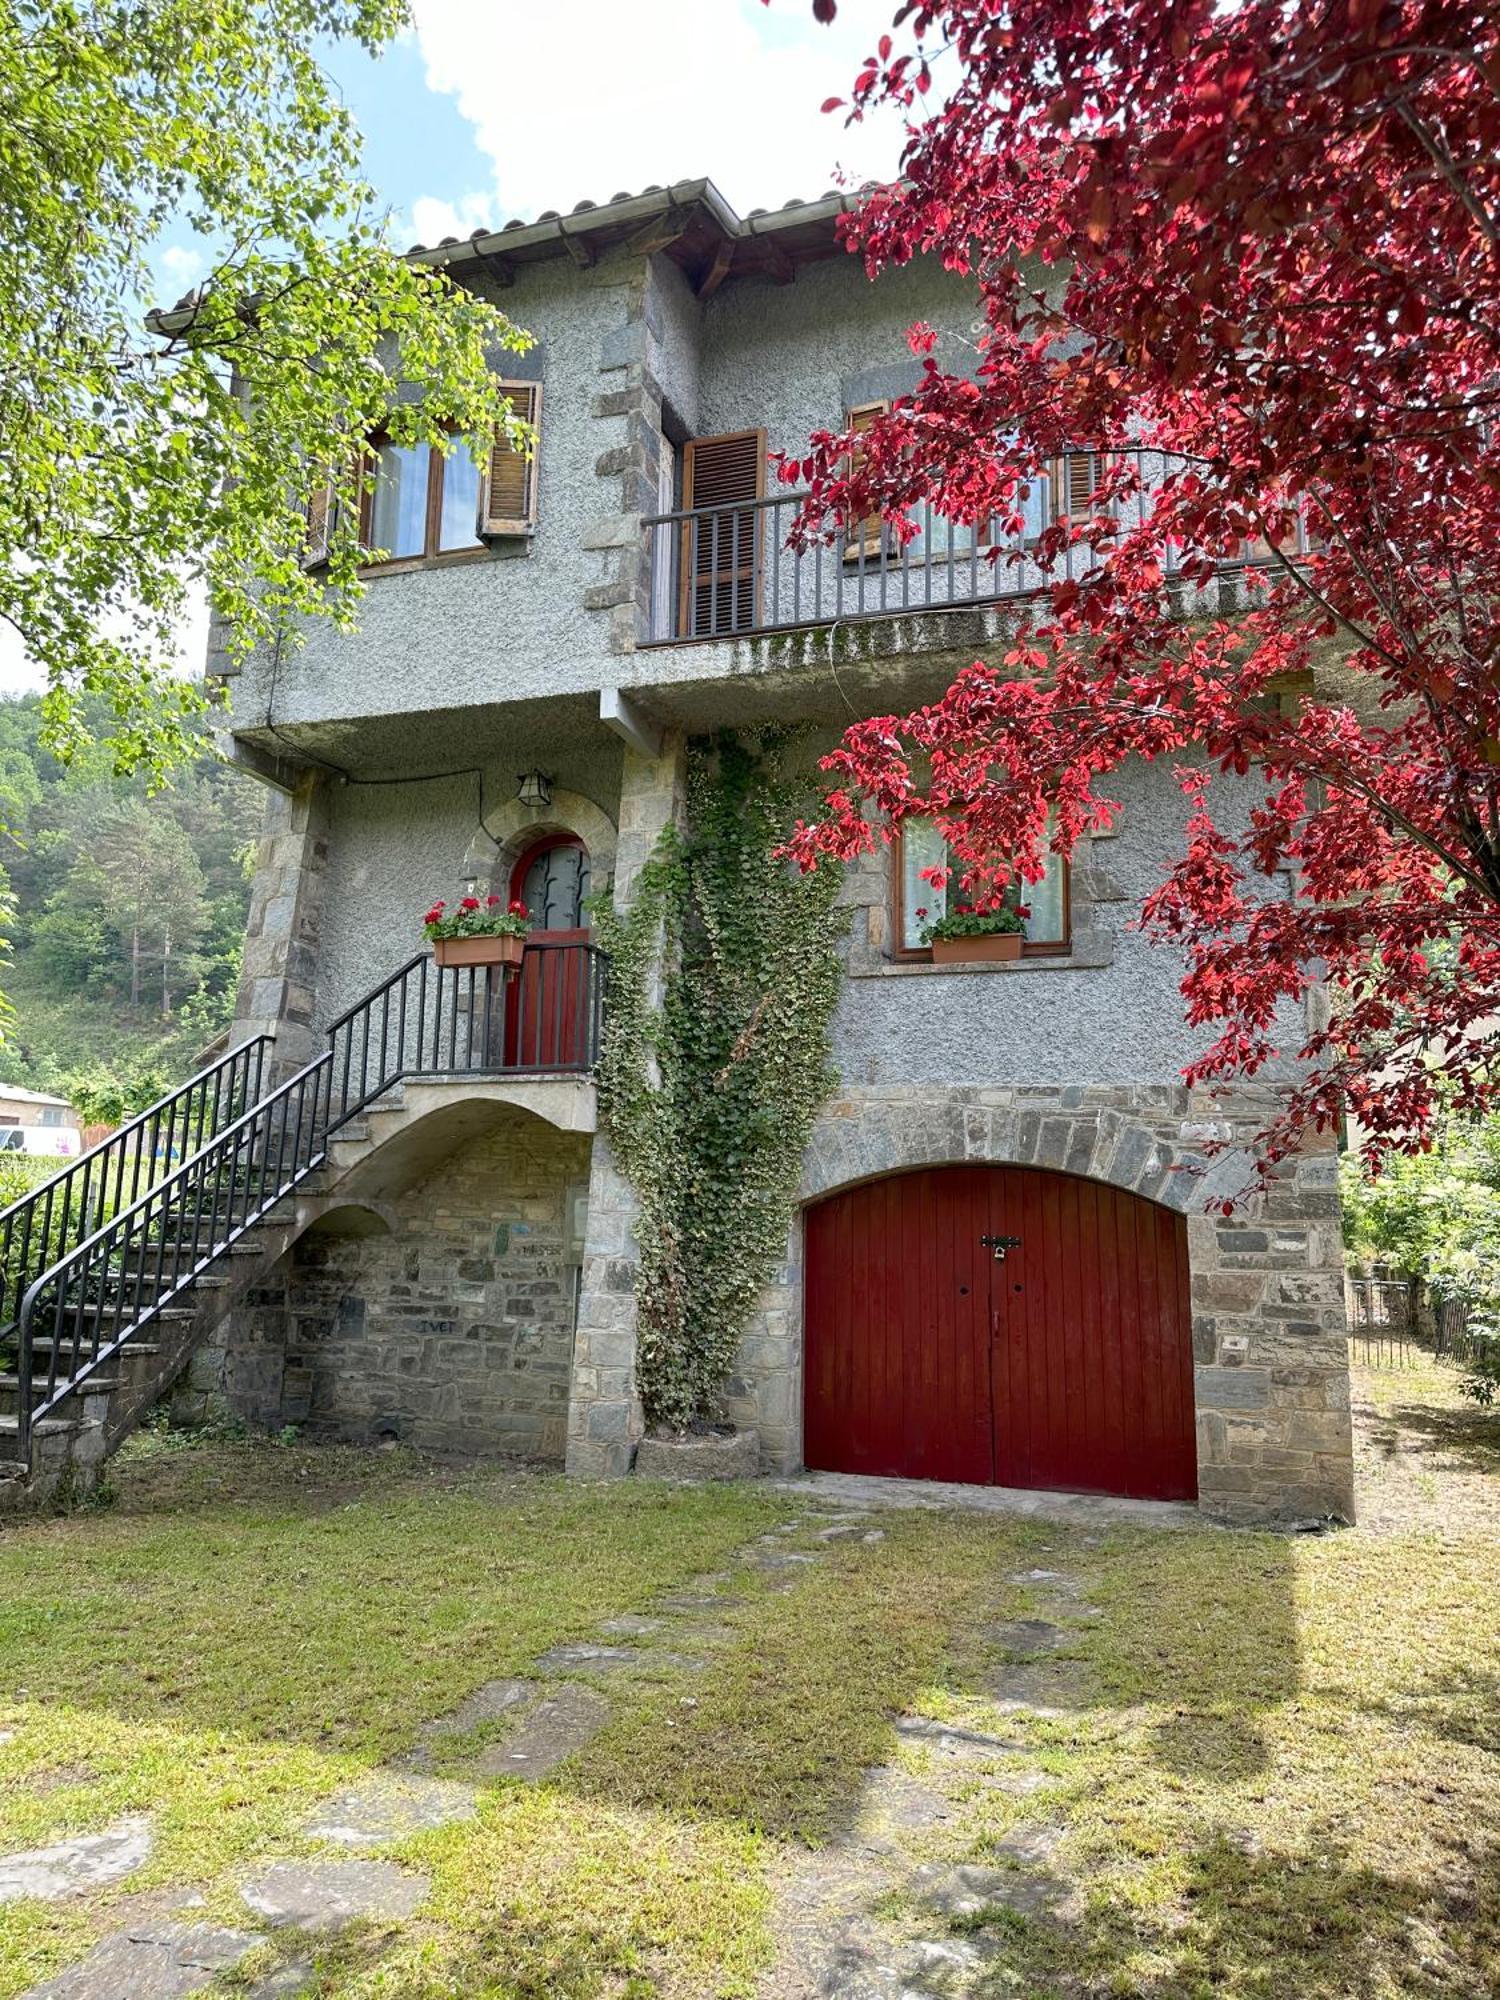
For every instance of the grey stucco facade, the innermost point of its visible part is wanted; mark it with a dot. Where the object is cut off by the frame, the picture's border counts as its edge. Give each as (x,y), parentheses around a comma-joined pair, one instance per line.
(401,745)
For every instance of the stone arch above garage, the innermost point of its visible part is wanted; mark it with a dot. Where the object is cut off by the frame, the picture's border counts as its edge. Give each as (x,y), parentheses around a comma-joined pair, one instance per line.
(1132,1138)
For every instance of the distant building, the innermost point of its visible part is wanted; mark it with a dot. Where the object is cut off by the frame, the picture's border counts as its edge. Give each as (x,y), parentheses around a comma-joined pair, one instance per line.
(31,1121)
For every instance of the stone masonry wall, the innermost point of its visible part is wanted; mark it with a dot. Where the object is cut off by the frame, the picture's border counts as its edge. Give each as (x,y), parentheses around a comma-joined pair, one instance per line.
(1269,1343)
(453,1333)
(604,1413)
(283,927)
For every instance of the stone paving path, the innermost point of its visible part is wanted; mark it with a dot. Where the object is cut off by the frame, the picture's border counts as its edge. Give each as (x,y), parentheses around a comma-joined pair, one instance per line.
(542,1721)
(72,1867)
(883,1912)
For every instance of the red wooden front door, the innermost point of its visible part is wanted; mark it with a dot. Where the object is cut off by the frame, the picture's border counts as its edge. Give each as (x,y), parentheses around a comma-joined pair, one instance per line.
(1067,1364)
(546,1024)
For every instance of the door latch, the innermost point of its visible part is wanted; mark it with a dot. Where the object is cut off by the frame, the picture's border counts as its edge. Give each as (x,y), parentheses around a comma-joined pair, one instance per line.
(1000,1244)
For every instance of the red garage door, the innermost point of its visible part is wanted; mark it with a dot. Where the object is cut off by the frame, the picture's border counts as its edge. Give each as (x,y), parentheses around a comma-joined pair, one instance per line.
(1064,1362)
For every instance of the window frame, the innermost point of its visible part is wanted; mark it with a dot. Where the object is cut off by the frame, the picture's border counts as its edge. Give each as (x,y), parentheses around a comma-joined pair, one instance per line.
(431,555)
(921,954)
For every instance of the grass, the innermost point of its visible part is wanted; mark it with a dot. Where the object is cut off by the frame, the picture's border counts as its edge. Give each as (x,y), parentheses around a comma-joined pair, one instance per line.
(252,1626)
(1427,1457)
(1285,1784)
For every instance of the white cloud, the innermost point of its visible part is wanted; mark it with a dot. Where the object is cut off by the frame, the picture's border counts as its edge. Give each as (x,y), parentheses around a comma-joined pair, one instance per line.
(611,95)
(432,218)
(182,263)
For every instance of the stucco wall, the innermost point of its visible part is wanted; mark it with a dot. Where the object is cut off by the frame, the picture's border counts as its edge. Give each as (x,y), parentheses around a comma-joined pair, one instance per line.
(674,324)
(512,624)
(787,356)
(392,848)
(1107,1011)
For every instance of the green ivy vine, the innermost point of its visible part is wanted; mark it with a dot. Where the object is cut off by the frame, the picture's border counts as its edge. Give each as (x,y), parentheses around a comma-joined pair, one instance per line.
(716,1057)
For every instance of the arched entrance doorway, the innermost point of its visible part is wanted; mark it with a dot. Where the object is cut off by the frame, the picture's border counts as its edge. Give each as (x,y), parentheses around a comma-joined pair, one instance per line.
(546,1022)
(1064,1361)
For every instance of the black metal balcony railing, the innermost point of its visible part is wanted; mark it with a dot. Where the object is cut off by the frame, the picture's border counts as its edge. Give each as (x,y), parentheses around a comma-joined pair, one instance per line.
(470,1021)
(720,572)
(128,1255)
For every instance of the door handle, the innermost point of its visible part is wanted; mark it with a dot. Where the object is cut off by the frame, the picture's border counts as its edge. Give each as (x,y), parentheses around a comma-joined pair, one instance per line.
(998,1245)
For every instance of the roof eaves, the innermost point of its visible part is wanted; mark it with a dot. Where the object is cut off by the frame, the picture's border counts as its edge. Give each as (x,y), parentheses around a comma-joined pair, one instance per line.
(587,217)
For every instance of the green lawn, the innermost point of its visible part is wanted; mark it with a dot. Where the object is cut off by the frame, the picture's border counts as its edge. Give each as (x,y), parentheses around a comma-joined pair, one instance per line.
(1284,1786)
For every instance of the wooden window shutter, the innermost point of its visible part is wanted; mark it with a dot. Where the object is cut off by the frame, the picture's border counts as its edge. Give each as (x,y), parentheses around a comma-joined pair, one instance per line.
(320,519)
(862,538)
(1075,480)
(723,545)
(507,491)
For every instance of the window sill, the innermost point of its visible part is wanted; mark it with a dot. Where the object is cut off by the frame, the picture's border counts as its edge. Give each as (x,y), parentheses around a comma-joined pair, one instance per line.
(1088,951)
(499,547)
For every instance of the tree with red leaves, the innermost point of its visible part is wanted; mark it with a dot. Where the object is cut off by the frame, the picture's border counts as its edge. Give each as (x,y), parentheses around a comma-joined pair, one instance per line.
(1251,255)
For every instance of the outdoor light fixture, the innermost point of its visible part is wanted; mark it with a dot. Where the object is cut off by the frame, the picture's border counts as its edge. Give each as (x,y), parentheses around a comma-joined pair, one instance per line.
(536,790)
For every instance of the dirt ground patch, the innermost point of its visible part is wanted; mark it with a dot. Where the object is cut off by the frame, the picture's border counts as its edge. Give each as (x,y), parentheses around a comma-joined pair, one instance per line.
(1425,1456)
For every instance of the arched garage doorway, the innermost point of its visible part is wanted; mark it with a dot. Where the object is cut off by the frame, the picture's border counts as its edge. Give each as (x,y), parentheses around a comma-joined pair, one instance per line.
(1066,1362)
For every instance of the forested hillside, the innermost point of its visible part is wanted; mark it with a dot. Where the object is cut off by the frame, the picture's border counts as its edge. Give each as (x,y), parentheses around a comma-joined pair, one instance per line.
(128,914)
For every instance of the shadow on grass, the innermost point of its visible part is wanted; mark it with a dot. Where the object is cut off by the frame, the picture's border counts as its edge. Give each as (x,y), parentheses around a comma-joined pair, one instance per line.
(346,1628)
(1466,1437)
(1306,1925)
(1461,1705)
(1204,1626)
(270,1612)
(782,1735)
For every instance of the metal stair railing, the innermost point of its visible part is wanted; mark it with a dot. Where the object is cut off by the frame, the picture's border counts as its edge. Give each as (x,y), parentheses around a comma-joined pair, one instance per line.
(81,1310)
(84,1307)
(59,1213)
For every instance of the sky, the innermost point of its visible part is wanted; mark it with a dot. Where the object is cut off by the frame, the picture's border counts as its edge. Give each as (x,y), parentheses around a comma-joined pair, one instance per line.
(489,109)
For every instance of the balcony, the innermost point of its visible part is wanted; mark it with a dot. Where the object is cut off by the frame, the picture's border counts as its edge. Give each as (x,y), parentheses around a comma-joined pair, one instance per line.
(728,572)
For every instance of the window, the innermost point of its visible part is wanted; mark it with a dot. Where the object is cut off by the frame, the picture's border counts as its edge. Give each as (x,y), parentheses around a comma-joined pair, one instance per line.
(919,845)
(720,563)
(424,502)
(50,1114)
(862,538)
(937,539)
(505,498)
(1076,478)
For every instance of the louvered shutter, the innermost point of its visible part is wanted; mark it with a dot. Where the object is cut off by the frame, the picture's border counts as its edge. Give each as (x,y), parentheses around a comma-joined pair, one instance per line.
(507,490)
(721,554)
(1075,480)
(320,517)
(862,538)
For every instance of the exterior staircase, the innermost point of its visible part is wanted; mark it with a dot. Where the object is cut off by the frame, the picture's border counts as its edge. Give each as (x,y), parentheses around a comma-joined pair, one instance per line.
(113,1271)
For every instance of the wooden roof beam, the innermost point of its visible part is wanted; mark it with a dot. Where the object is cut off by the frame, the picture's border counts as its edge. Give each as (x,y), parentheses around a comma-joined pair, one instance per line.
(779,265)
(580,250)
(717,271)
(501,269)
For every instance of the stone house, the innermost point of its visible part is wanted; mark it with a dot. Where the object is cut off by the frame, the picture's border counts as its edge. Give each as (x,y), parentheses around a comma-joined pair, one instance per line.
(1003,1268)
